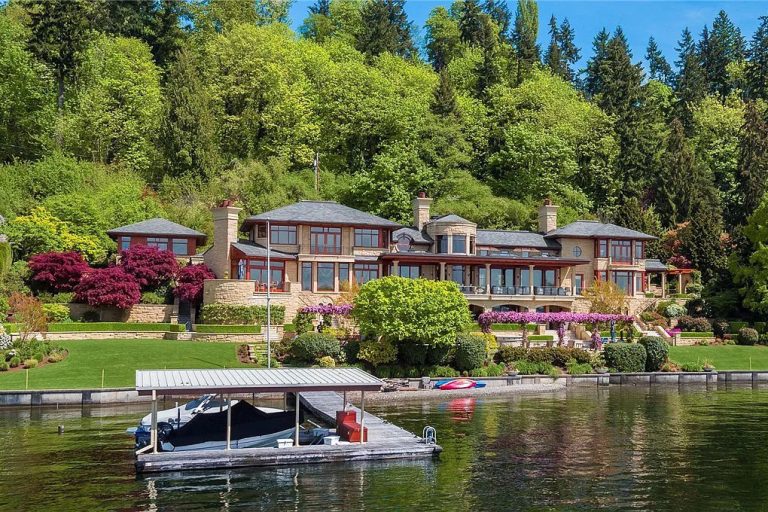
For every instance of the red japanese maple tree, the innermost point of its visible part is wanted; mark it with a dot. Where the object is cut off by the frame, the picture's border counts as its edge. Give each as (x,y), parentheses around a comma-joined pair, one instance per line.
(57,271)
(189,282)
(150,266)
(110,286)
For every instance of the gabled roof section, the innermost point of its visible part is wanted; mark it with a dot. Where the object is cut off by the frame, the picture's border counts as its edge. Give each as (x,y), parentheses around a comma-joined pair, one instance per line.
(417,236)
(595,229)
(157,226)
(500,238)
(450,219)
(259,251)
(320,212)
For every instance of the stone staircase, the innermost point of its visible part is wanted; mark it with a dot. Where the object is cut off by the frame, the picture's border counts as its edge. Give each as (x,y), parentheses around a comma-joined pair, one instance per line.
(257,352)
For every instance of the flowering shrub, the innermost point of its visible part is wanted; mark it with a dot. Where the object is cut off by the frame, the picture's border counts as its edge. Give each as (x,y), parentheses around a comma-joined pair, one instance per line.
(28,312)
(149,266)
(491,317)
(329,309)
(189,282)
(674,310)
(57,271)
(694,324)
(108,287)
(5,339)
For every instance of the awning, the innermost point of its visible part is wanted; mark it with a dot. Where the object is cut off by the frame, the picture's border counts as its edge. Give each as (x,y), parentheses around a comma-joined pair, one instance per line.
(254,380)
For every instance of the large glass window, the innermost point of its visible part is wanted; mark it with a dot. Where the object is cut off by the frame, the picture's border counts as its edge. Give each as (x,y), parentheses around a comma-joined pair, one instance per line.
(283,235)
(367,238)
(621,250)
(544,277)
(325,277)
(602,248)
(525,276)
(497,277)
(325,240)
(442,244)
(639,282)
(459,244)
(639,252)
(343,274)
(125,243)
(158,243)
(180,246)
(578,283)
(306,276)
(471,245)
(409,271)
(623,280)
(258,273)
(457,274)
(365,272)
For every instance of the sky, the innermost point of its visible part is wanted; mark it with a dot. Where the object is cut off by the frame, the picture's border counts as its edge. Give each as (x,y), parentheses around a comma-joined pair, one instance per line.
(663,20)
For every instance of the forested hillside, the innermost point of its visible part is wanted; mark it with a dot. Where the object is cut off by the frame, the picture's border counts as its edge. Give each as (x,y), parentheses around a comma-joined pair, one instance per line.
(113,112)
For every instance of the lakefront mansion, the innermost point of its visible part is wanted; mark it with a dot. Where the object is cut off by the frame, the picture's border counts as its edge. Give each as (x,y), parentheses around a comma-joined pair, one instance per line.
(318,247)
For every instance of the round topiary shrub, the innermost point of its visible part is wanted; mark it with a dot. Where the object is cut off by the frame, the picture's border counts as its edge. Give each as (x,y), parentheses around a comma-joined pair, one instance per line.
(747,336)
(311,346)
(4,366)
(694,324)
(657,352)
(30,363)
(326,362)
(625,357)
(14,362)
(720,328)
(470,352)
(508,353)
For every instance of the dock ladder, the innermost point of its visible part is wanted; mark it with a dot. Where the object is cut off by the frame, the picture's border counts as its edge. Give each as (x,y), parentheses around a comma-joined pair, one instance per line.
(429,434)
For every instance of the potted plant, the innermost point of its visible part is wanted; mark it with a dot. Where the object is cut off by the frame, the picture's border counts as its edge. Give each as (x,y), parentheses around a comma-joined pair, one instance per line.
(707,366)
(511,370)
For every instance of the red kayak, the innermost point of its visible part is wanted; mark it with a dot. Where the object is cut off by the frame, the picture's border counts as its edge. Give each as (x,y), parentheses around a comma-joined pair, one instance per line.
(459,384)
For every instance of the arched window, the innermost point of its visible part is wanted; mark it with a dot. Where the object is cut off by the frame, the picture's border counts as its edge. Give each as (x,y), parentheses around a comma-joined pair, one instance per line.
(404,243)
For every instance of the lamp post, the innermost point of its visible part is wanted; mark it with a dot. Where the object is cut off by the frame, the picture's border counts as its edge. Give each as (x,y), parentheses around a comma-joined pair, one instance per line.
(269,296)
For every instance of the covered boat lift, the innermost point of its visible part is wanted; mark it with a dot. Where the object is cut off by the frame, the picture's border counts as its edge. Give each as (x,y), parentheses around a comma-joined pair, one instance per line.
(319,386)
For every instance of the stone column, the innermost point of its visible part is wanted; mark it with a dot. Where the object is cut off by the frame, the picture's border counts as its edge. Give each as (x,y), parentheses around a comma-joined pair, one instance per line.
(395,268)
(663,284)
(530,278)
(442,271)
(488,278)
(314,277)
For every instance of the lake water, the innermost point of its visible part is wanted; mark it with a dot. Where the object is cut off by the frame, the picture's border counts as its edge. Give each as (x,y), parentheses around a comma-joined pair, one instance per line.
(608,449)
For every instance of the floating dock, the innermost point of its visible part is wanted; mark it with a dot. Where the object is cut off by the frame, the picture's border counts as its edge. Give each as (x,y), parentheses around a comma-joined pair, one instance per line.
(385,441)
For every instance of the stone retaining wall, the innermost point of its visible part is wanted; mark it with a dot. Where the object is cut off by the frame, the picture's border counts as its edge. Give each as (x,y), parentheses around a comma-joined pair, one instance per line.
(140,313)
(105,335)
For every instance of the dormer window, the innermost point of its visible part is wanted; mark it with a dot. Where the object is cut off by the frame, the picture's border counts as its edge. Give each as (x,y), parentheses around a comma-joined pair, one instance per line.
(404,243)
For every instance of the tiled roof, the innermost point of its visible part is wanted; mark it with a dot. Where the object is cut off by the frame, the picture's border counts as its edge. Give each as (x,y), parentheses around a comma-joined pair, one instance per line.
(416,235)
(595,229)
(450,218)
(326,212)
(157,226)
(514,239)
(655,266)
(256,250)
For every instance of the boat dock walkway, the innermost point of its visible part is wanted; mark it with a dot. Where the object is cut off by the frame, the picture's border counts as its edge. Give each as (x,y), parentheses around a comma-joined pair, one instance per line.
(385,442)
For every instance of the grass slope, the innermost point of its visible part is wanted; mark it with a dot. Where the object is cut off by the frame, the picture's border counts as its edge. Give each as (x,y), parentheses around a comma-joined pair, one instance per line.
(120,359)
(723,357)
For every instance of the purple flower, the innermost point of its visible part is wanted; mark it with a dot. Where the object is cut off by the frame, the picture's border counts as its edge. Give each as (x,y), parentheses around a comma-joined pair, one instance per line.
(329,309)
(491,317)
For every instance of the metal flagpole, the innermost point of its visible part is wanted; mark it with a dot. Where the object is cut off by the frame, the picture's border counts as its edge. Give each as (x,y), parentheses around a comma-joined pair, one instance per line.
(269,296)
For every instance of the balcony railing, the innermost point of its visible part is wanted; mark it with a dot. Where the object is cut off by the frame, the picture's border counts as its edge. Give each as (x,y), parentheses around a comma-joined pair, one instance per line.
(548,291)
(325,249)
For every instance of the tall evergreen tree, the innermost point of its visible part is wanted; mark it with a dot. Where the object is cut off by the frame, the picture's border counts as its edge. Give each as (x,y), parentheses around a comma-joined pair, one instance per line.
(719,48)
(444,102)
(443,38)
(691,81)
(471,23)
(188,130)
(569,52)
(524,36)
(658,67)
(60,33)
(322,7)
(385,29)
(678,182)
(489,71)
(552,57)
(752,173)
(757,67)
(499,13)
(702,240)
(593,83)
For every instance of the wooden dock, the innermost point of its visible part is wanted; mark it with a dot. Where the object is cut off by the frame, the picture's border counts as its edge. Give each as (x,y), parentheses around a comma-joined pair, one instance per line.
(385,442)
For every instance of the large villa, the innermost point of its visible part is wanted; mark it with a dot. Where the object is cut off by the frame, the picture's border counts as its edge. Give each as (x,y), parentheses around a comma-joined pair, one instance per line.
(318,247)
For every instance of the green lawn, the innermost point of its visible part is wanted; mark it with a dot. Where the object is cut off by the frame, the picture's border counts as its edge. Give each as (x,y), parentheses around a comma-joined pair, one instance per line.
(120,359)
(723,357)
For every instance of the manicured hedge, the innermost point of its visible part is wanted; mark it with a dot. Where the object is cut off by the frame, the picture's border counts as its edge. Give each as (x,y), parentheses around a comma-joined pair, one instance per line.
(311,346)
(226,329)
(108,327)
(512,327)
(289,328)
(708,334)
(657,352)
(227,314)
(541,337)
(469,352)
(625,357)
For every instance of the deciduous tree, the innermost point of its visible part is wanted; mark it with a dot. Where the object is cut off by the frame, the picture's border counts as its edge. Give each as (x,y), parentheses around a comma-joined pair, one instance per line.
(110,286)
(57,271)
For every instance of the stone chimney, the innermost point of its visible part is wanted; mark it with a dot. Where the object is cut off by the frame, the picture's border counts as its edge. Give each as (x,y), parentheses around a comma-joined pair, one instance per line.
(547,216)
(225,232)
(421,204)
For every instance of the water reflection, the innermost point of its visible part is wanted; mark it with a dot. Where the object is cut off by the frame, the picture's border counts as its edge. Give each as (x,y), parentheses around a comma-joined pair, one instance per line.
(607,449)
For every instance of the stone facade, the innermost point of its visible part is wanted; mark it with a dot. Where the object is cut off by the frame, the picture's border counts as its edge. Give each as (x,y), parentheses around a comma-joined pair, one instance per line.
(225,233)
(141,313)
